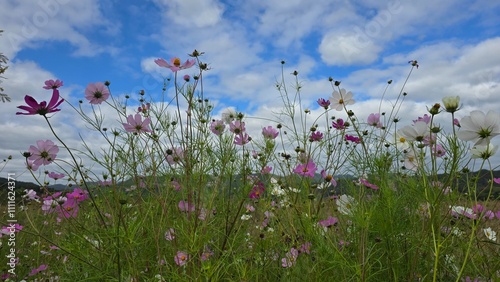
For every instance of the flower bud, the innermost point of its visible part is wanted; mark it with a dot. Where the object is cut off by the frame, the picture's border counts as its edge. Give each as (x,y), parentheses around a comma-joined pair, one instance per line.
(451,103)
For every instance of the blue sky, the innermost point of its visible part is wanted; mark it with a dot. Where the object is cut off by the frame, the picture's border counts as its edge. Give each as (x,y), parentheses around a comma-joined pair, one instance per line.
(362,43)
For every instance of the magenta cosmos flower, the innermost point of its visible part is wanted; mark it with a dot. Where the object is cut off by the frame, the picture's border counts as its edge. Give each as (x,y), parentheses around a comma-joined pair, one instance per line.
(42,108)
(96,93)
(308,169)
(175,64)
(44,153)
(136,125)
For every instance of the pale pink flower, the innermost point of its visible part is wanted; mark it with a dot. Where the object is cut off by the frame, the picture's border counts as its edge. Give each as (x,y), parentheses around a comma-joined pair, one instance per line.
(44,154)
(374,120)
(51,84)
(181,258)
(269,132)
(96,93)
(175,64)
(136,125)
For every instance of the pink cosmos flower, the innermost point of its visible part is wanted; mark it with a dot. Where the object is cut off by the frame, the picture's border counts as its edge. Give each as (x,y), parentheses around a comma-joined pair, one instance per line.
(257,191)
(170,234)
(96,93)
(136,125)
(175,156)
(426,118)
(44,154)
(175,64)
(237,127)
(306,248)
(367,184)
(339,124)
(438,151)
(206,254)
(330,221)
(269,132)
(185,206)
(12,228)
(217,127)
(324,103)
(181,258)
(34,108)
(316,136)
(241,139)
(308,169)
(144,108)
(78,195)
(353,139)
(38,269)
(31,166)
(456,122)
(51,84)
(266,170)
(328,178)
(56,176)
(496,180)
(187,77)
(374,120)
(30,195)
(290,258)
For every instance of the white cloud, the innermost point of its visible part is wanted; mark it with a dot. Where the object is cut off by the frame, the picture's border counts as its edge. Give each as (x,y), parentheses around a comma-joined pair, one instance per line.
(348,49)
(193,13)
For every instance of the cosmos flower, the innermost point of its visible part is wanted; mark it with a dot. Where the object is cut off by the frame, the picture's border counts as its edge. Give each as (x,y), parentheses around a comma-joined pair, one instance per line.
(483,152)
(308,169)
(181,258)
(324,103)
(339,100)
(269,132)
(217,127)
(136,125)
(479,127)
(451,103)
(175,64)
(416,132)
(44,154)
(374,120)
(339,124)
(490,234)
(96,93)
(51,84)
(346,204)
(42,108)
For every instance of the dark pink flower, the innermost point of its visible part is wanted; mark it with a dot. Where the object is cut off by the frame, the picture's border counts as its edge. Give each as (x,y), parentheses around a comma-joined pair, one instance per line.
(38,269)
(144,108)
(186,78)
(56,176)
(78,195)
(136,125)
(374,120)
(308,169)
(257,191)
(496,180)
(353,139)
(324,103)
(181,258)
(44,154)
(316,136)
(266,170)
(51,84)
(367,184)
(306,248)
(33,108)
(175,64)
(330,221)
(456,122)
(339,124)
(96,93)
(217,127)
(269,132)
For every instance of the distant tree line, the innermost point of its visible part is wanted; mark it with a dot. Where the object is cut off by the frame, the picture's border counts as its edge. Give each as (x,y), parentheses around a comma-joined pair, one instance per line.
(3,67)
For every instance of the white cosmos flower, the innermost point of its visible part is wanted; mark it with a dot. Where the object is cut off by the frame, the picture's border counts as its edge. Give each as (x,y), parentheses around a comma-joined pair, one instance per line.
(346,204)
(483,151)
(490,234)
(451,103)
(416,132)
(229,115)
(411,160)
(338,100)
(479,127)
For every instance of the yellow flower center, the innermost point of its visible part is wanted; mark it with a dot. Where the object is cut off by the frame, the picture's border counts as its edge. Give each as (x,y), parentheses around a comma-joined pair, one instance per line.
(341,101)
(402,139)
(177,62)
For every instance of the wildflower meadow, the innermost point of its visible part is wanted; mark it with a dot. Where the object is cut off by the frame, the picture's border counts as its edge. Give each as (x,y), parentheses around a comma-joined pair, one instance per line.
(172,192)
